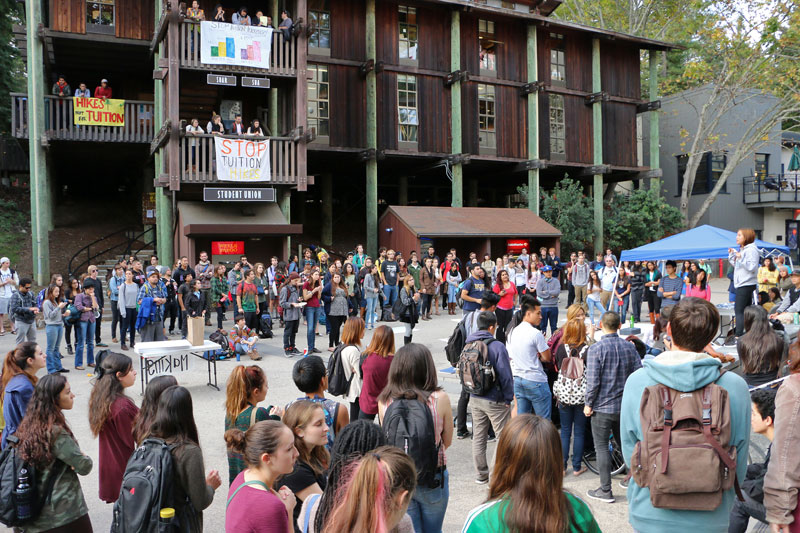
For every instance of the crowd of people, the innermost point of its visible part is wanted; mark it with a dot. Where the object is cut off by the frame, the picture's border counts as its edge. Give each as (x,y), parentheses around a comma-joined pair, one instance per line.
(364,445)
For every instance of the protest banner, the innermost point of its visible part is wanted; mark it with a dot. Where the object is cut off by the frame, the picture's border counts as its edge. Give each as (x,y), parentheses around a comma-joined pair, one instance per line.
(98,112)
(242,160)
(231,44)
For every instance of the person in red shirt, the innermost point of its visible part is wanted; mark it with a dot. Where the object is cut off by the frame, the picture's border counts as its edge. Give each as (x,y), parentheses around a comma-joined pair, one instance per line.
(375,371)
(103,91)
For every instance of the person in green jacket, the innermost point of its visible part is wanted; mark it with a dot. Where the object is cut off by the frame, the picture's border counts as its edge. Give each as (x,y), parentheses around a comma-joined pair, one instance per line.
(525,492)
(46,442)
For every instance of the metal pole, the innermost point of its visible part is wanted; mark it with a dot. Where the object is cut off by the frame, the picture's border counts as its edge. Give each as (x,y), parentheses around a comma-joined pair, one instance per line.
(457,199)
(372,137)
(597,131)
(533,120)
(655,183)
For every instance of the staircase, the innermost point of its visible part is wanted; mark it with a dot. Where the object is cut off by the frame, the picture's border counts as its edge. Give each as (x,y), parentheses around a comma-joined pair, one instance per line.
(105,270)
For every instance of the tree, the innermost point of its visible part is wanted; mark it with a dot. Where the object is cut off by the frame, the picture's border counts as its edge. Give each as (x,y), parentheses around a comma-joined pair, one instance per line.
(568,209)
(12,71)
(628,220)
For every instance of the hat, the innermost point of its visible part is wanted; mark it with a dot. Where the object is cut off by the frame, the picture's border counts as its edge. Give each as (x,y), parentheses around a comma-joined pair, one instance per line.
(104,80)
(293,275)
(795,272)
(546,268)
(4,260)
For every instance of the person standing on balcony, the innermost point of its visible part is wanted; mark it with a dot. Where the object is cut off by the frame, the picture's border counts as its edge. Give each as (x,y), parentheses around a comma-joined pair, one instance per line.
(103,91)
(238,127)
(219,13)
(215,126)
(194,13)
(92,281)
(82,91)
(193,130)
(241,17)
(255,128)
(61,87)
(286,25)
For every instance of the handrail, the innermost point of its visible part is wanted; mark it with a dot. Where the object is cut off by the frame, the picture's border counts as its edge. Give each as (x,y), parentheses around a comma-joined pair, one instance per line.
(127,243)
(779,187)
(54,97)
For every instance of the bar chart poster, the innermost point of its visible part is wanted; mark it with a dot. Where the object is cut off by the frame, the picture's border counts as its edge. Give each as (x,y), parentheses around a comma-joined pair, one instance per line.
(232,44)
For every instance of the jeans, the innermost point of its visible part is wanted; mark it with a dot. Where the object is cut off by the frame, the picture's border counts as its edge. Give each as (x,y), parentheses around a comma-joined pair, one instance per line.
(54,333)
(372,303)
(289,333)
(573,423)
(742,511)
(603,426)
(115,319)
(68,333)
(636,304)
(744,297)
(486,415)
(129,326)
(85,334)
(244,349)
(549,316)
(533,397)
(594,304)
(653,301)
(172,312)
(312,317)
(428,506)
(621,310)
(390,292)
(220,316)
(570,293)
(504,316)
(426,303)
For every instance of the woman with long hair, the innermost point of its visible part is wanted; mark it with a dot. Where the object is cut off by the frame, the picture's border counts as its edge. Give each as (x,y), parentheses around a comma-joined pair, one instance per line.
(594,291)
(128,309)
(436,285)
(574,312)
(54,313)
(352,335)
(760,349)
(651,279)
(745,273)
(111,417)
(46,442)
(767,275)
(247,300)
(520,279)
(784,280)
(312,290)
(175,424)
(17,384)
(306,419)
(534,275)
(505,308)
(375,371)
(412,375)
(453,280)
(526,493)
(247,387)
(351,282)
(573,422)
(262,288)
(699,287)
(267,449)
(219,294)
(147,413)
(376,493)
(410,299)
(622,291)
(72,290)
(337,313)
(371,285)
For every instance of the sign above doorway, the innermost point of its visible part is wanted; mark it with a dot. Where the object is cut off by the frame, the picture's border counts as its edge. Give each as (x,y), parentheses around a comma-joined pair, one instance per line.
(239,194)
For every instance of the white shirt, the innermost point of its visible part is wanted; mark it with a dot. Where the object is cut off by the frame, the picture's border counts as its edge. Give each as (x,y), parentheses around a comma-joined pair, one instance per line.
(7,290)
(351,359)
(607,277)
(524,347)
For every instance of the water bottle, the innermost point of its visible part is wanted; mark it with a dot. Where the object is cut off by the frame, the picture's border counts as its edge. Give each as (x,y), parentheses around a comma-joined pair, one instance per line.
(23,496)
(165,519)
(796,319)
(632,322)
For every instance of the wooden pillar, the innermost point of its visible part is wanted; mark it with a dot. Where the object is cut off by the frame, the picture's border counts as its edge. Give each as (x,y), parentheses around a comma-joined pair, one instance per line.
(285,204)
(301,88)
(372,137)
(37,156)
(533,120)
(655,162)
(457,198)
(272,111)
(402,190)
(326,235)
(173,96)
(164,215)
(597,134)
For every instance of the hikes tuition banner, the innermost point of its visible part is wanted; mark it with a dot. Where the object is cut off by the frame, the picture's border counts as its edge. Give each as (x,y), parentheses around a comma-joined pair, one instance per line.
(242,160)
(98,112)
(232,44)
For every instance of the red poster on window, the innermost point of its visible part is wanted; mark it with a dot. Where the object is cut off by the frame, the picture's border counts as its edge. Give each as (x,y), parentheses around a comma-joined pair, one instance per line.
(515,246)
(227,247)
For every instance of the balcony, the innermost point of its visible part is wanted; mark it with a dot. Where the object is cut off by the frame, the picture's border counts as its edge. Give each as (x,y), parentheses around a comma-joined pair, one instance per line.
(283,161)
(282,59)
(59,124)
(773,190)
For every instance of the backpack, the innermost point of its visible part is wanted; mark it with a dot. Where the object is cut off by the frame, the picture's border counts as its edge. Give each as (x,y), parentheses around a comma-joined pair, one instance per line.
(338,385)
(475,369)
(570,386)
(685,457)
(266,326)
(408,425)
(455,344)
(11,465)
(225,350)
(74,315)
(147,487)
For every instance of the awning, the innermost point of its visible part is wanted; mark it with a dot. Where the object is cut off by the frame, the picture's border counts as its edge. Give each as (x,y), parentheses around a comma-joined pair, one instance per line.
(199,218)
(427,221)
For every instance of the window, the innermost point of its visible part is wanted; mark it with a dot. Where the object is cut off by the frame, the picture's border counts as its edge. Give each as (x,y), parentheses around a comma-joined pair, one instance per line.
(318,100)
(557,127)
(486,116)
(558,65)
(711,166)
(100,15)
(486,44)
(407,108)
(407,17)
(762,165)
(320,14)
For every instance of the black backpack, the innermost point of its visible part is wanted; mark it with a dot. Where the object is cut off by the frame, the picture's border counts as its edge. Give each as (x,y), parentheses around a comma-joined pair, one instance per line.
(475,368)
(266,326)
(10,466)
(408,425)
(337,383)
(455,344)
(147,487)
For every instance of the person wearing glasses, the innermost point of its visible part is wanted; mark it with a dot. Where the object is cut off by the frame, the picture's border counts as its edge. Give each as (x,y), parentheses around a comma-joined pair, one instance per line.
(92,281)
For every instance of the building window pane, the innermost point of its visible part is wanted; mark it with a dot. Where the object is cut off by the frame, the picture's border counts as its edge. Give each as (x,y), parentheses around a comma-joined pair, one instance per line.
(557,125)
(762,165)
(487,45)
(319,13)
(407,17)
(558,65)
(408,121)
(709,170)
(486,116)
(100,12)
(318,100)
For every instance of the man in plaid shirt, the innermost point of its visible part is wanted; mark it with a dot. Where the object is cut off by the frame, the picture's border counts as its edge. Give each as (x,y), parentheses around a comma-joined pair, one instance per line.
(608,365)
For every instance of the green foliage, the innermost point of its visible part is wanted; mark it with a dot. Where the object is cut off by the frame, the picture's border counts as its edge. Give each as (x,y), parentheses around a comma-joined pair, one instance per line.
(12,224)
(12,70)
(568,209)
(634,219)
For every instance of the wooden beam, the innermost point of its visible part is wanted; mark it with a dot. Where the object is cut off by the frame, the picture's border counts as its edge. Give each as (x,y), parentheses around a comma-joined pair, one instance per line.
(644,107)
(655,173)
(531,164)
(597,142)
(457,186)
(595,170)
(161,29)
(161,137)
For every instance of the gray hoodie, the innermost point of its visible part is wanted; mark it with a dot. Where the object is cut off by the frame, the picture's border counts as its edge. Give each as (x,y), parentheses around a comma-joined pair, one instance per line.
(548,290)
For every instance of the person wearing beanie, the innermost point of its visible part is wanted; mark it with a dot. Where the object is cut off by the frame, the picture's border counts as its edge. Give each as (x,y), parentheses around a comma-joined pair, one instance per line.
(289,300)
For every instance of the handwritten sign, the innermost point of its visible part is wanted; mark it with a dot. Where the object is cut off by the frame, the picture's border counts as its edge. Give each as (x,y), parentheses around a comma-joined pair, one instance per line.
(98,112)
(168,364)
(227,247)
(242,160)
(232,44)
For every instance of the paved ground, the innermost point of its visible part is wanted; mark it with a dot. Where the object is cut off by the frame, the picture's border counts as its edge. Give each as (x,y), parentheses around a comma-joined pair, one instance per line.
(209,415)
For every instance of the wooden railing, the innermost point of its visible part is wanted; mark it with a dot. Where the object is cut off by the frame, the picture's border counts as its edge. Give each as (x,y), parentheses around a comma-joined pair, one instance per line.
(282,59)
(202,167)
(59,123)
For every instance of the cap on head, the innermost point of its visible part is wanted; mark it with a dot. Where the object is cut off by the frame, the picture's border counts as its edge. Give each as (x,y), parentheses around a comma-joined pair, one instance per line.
(104,80)
(794,272)
(293,275)
(546,268)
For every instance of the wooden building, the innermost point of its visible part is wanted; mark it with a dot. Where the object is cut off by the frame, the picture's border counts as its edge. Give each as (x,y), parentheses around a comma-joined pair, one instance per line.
(371,102)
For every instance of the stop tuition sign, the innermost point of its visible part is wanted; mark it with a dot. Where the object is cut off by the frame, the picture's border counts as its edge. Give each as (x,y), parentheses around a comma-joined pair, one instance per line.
(242,160)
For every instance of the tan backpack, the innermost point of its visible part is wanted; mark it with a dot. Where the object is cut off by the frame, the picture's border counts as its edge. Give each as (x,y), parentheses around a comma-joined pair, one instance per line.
(685,458)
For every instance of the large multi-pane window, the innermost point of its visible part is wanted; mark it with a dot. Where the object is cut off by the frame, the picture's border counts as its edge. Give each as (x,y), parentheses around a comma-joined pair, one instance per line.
(407,17)
(486,116)
(319,12)
(558,64)
(407,122)
(100,13)
(709,170)
(762,165)
(558,129)
(319,100)
(486,44)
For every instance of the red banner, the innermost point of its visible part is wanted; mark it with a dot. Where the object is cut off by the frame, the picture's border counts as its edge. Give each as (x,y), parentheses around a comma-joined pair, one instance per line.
(515,246)
(227,247)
